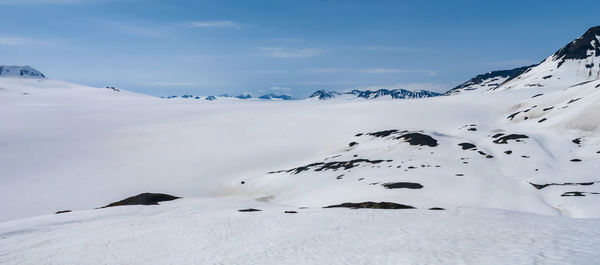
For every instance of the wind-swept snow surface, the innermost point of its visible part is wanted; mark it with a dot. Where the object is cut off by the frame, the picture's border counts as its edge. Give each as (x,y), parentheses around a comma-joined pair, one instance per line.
(504,170)
(213,231)
(76,147)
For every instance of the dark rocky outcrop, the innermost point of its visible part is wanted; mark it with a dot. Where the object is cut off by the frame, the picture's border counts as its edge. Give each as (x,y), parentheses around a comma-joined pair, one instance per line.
(371,205)
(489,80)
(506,138)
(541,186)
(249,210)
(144,199)
(579,48)
(436,209)
(335,165)
(418,139)
(402,185)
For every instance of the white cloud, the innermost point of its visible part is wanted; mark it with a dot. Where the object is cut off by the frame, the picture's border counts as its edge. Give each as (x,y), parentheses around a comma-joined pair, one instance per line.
(511,63)
(50,2)
(431,86)
(267,72)
(392,49)
(16,41)
(215,24)
(394,70)
(329,70)
(372,70)
(183,84)
(289,53)
(322,83)
(277,88)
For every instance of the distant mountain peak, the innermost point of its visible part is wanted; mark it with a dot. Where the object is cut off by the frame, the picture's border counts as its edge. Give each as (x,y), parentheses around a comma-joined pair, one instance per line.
(588,45)
(273,96)
(322,95)
(18,71)
(374,94)
(488,81)
(575,63)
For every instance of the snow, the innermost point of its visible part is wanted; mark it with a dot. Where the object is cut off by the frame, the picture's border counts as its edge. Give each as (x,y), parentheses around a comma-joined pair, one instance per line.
(482,86)
(525,192)
(78,147)
(212,231)
(554,73)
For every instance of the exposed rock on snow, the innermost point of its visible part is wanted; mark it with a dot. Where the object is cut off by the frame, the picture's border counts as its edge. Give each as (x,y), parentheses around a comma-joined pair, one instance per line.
(418,139)
(371,205)
(324,166)
(144,199)
(402,185)
(541,186)
(487,81)
(249,210)
(376,94)
(20,72)
(511,137)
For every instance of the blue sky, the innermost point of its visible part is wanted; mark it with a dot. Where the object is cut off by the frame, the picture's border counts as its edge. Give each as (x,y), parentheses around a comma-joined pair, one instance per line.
(283,47)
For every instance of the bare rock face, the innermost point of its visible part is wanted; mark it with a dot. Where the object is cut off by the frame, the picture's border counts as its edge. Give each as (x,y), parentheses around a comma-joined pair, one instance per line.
(371,205)
(144,199)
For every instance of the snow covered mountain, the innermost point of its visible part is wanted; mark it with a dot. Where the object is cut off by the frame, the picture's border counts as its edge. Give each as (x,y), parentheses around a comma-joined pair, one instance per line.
(20,72)
(370,94)
(487,81)
(575,63)
(227,97)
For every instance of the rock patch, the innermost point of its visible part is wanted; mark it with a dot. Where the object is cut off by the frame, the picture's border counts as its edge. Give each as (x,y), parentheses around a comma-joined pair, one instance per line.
(371,205)
(467,146)
(322,166)
(402,185)
(541,186)
(144,199)
(249,210)
(418,139)
(513,137)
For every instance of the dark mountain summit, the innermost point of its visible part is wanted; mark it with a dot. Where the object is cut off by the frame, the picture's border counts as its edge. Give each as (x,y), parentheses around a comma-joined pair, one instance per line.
(322,95)
(583,47)
(376,94)
(489,80)
(273,96)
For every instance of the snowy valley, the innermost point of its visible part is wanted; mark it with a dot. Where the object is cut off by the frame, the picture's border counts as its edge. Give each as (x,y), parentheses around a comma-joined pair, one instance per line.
(502,169)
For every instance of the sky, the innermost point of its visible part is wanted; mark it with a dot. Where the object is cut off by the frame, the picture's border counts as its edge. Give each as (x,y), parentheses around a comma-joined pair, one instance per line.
(175,47)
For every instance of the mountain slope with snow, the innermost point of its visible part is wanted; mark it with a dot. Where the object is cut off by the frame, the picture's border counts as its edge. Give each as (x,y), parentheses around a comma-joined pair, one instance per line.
(488,81)
(577,62)
(20,72)
(370,94)
(213,231)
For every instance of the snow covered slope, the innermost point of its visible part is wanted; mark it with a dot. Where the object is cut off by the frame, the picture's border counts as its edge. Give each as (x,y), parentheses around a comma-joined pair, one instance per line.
(577,62)
(20,72)
(487,81)
(501,164)
(491,163)
(212,231)
(94,145)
